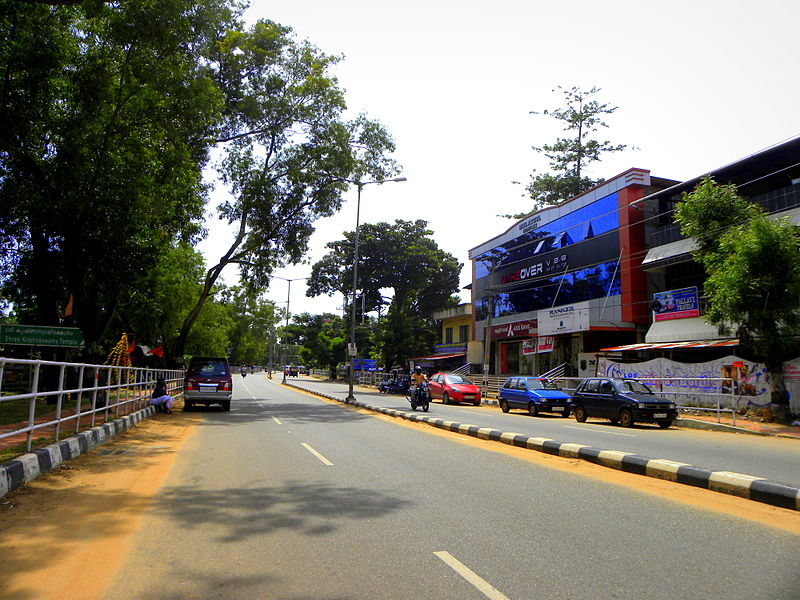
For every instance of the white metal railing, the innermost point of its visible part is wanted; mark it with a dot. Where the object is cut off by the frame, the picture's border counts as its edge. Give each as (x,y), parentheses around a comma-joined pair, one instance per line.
(94,389)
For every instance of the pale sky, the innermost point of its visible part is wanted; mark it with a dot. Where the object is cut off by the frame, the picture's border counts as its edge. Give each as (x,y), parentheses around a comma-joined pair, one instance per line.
(699,84)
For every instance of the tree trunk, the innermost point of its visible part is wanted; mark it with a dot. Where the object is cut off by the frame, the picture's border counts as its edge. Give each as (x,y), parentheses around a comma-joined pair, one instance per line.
(780,397)
(211,278)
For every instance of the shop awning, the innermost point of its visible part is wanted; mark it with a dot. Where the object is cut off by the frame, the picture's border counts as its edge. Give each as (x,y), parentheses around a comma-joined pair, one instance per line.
(666,254)
(674,345)
(681,330)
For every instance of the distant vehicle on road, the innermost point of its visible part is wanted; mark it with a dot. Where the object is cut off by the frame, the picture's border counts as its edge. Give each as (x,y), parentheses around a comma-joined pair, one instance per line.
(291,370)
(623,401)
(208,381)
(396,385)
(534,394)
(451,387)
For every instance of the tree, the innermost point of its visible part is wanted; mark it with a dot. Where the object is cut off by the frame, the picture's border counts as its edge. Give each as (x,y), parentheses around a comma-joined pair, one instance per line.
(288,153)
(753,275)
(107,109)
(570,156)
(708,212)
(322,339)
(254,320)
(160,298)
(403,258)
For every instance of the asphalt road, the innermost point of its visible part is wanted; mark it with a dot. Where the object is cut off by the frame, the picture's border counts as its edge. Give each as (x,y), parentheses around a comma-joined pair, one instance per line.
(777,459)
(290,497)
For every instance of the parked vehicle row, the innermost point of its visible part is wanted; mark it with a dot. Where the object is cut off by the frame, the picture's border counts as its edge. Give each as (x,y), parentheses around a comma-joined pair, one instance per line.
(535,395)
(451,387)
(623,401)
(620,400)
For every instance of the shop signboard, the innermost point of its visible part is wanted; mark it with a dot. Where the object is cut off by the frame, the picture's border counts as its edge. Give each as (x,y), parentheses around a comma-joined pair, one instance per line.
(564,319)
(537,345)
(517,329)
(40,335)
(676,304)
(449,348)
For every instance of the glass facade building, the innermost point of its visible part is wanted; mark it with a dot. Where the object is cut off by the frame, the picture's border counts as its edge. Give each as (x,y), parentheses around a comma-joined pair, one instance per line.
(581,257)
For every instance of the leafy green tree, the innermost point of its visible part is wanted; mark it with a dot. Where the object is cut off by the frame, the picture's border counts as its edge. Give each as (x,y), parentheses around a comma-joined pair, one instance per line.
(569,156)
(254,320)
(107,111)
(322,339)
(288,152)
(753,276)
(709,211)
(401,257)
(159,299)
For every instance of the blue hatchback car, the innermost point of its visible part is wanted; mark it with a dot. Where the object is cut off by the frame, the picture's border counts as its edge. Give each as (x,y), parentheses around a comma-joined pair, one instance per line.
(535,395)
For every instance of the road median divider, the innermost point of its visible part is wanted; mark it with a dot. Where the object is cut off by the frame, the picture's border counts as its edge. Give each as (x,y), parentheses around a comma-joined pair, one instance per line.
(737,484)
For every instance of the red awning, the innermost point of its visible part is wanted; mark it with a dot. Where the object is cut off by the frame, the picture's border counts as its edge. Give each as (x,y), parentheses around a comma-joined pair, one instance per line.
(673,345)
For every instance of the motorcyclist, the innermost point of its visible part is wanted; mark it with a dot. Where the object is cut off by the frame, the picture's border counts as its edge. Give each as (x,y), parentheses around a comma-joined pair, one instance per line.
(417,378)
(244,371)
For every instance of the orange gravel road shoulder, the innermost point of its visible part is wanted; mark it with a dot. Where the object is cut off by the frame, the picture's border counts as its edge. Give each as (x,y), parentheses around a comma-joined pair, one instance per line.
(64,534)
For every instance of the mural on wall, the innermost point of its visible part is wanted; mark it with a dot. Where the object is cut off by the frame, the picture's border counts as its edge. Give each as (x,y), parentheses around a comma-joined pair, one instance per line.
(791,375)
(731,381)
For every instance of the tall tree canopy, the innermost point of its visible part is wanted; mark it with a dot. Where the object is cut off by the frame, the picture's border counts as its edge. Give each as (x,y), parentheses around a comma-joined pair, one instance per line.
(402,259)
(322,339)
(288,152)
(110,111)
(753,275)
(569,156)
(106,116)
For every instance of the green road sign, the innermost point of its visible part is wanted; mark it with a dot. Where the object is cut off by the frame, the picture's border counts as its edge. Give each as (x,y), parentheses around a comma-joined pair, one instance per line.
(39,335)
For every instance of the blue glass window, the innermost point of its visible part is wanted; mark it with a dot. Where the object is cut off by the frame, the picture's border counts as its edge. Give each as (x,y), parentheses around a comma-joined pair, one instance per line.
(584,284)
(593,219)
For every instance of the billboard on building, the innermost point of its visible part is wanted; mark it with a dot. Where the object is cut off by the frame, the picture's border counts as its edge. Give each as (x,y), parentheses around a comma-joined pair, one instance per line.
(564,319)
(676,304)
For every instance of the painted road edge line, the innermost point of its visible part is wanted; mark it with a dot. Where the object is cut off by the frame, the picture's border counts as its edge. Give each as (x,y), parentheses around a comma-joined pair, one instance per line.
(480,584)
(736,484)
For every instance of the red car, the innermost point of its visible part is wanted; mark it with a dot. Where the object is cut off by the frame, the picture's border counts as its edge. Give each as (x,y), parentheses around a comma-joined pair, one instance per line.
(451,387)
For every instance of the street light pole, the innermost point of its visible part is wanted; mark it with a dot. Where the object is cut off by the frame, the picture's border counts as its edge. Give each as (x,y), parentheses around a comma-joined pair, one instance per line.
(351,350)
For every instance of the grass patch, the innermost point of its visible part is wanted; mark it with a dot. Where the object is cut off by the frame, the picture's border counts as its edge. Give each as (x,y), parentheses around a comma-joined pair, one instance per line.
(13,452)
(15,411)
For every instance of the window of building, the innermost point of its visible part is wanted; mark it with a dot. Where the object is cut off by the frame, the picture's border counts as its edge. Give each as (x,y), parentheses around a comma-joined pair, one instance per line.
(448,335)
(463,333)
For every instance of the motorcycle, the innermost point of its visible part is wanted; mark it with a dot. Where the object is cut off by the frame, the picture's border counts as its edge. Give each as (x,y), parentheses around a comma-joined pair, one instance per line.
(419,397)
(397,385)
(244,372)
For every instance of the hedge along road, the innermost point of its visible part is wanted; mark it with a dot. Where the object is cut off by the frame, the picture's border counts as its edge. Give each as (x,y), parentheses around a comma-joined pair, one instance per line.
(87,515)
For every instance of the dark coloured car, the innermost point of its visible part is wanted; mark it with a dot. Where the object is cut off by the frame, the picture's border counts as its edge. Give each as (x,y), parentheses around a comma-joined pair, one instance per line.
(534,394)
(208,381)
(452,387)
(623,401)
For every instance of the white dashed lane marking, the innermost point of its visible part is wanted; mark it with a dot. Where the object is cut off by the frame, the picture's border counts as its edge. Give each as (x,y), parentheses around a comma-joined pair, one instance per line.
(480,584)
(321,458)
